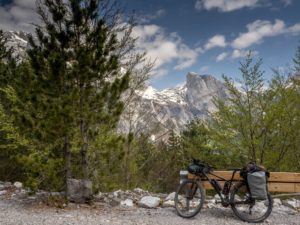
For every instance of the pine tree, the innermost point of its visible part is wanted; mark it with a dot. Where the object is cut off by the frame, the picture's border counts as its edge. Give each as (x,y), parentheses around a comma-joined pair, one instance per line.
(75,77)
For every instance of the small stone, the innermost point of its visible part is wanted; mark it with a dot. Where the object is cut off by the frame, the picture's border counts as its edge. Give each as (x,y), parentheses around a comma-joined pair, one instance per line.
(149,202)
(277,202)
(169,203)
(31,198)
(292,203)
(7,184)
(171,196)
(111,196)
(3,192)
(139,190)
(217,198)
(114,202)
(117,193)
(18,184)
(127,202)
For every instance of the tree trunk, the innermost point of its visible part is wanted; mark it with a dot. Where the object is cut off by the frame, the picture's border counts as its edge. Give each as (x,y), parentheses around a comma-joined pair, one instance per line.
(68,171)
(84,151)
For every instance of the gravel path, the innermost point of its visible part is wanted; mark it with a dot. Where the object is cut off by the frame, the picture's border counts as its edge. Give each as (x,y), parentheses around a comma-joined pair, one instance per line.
(12,213)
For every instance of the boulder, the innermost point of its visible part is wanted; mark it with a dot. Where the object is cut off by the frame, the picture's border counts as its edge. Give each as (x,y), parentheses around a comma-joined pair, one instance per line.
(18,184)
(127,203)
(149,202)
(79,191)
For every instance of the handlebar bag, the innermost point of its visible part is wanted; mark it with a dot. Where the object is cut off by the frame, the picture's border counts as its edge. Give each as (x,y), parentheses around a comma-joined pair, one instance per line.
(257,182)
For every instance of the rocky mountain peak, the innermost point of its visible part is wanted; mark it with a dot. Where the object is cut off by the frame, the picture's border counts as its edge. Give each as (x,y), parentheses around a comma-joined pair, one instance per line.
(159,112)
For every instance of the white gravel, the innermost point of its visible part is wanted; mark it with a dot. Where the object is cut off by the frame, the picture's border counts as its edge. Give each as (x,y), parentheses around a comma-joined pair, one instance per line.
(12,213)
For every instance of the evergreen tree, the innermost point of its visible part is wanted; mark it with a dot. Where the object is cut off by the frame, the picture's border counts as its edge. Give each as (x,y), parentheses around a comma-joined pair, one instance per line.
(75,77)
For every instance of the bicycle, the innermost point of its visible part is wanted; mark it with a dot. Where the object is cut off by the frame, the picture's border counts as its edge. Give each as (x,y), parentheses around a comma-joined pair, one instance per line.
(190,195)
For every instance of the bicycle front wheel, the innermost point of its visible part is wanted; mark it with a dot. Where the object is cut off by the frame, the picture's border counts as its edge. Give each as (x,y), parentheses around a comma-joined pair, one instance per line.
(248,209)
(189,198)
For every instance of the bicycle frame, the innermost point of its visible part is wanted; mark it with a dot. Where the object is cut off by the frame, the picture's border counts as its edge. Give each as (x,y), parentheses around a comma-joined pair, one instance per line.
(224,198)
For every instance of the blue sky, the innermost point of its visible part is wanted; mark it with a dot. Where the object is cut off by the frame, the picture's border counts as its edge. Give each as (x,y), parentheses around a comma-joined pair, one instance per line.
(212,36)
(203,36)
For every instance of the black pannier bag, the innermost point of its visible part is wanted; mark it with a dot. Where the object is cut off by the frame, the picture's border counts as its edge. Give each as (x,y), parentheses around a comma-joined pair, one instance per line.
(256,177)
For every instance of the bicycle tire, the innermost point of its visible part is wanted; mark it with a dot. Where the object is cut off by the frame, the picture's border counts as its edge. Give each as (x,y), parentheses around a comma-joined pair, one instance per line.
(241,192)
(192,190)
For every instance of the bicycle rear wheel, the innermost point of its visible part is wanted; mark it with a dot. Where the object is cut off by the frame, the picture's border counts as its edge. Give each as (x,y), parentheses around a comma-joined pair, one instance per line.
(189,198)
(249,209)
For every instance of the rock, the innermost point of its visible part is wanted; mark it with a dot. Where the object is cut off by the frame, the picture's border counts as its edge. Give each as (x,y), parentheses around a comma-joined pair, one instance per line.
(22,194)
(139,190)
(117,194)
(217,198)
(149,202)
(59,194)
(127,202)
(99,197)
(169,203)
(79,191)
(2,187)
(284,210)
(171,196)
(114,202)
(292,203)
(277,202)
(7,184)
(18,185)
(4,192)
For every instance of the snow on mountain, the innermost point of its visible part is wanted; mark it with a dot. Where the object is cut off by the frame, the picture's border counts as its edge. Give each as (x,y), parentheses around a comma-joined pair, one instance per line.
(18,40)
(159,112)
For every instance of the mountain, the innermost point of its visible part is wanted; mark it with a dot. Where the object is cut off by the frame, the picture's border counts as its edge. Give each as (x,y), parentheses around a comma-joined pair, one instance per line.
(154,112)
(18,40)
(158,112)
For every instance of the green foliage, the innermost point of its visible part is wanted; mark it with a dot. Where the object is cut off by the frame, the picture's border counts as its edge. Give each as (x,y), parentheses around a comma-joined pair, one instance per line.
(197,142)
(238,125)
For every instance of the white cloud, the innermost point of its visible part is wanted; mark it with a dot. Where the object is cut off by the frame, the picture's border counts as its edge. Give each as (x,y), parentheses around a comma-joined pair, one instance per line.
(225,5)
(19,15)
(221,56)
(215,41)
(164,48)
(146,18)
(260,29)
(237,53)
(158,73)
